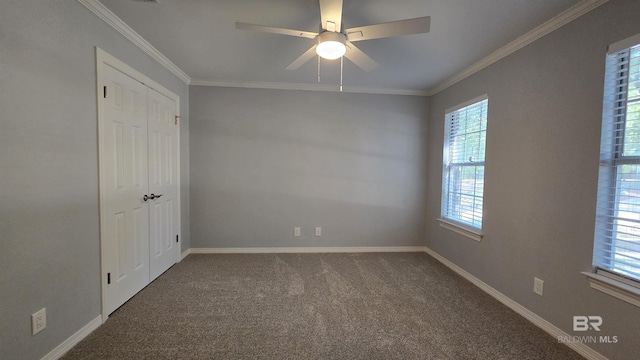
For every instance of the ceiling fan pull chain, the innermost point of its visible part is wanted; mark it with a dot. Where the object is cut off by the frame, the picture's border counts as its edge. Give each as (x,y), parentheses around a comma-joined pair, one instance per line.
(318,69)
(341,67)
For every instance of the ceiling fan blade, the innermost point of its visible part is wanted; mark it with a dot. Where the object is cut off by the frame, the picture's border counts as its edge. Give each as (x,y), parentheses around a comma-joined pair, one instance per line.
(359,58)
(308,55)
(331,15)
(276,30)
(394,28)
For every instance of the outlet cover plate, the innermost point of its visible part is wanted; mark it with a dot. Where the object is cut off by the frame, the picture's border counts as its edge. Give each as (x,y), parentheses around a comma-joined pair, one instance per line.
(538,286)
(38,321)
(318,231)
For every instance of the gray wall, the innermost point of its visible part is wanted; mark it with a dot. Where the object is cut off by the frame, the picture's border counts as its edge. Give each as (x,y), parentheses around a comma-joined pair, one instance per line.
(264,161)
(269,160)
(543,134)
(49,170)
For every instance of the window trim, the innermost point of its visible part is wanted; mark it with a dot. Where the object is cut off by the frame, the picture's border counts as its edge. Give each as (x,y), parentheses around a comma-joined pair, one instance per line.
(469,231)
(462,229)
(467,103)
(615,288)
(623,44)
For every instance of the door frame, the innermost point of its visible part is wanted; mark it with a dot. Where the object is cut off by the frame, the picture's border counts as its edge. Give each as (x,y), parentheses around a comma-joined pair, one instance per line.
(104,59)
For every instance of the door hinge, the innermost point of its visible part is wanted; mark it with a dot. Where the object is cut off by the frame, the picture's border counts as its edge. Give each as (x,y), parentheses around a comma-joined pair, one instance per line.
(108,278)
(177,118)
(177,238)
(104,91)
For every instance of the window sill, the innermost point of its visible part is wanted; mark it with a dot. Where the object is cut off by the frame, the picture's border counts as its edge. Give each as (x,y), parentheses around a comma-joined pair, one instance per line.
(614,288)
(473,234)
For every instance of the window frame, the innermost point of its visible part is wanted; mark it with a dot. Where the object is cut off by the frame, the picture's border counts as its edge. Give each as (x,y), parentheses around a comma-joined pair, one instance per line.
(604,276)
(458,225)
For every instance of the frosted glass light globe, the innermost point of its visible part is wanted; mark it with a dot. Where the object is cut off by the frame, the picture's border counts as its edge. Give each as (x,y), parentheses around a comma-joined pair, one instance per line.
(331,45)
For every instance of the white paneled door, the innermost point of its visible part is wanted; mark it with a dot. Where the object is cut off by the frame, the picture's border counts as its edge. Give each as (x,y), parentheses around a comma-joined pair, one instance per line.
(138,185)
(163,214)
(124,213)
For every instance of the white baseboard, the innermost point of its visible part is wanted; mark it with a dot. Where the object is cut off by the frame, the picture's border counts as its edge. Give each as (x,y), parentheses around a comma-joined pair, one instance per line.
(543,324)
(287,250)
(74,339)
(185,254)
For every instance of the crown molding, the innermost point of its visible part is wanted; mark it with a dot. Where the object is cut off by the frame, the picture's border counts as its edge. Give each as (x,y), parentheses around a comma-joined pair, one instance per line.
(115,22)
(308,87)
(547,27)
(542,30)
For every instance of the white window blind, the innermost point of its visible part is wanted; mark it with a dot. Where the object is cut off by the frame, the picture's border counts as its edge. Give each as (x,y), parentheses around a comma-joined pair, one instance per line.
(463,163)
(617,232)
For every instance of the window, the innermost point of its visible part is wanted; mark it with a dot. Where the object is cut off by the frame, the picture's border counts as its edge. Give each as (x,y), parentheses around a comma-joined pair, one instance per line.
(617,233)
(463,165)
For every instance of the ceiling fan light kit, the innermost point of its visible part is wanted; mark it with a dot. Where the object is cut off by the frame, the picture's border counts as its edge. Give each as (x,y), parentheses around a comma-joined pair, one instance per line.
(331,45)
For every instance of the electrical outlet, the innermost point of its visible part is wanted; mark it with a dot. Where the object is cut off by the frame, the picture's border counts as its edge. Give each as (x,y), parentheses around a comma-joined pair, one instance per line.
(296,231)
(38,321)
(538,286)
(318,231)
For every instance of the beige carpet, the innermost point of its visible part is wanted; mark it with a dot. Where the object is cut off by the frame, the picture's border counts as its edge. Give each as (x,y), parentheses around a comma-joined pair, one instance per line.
(315,306)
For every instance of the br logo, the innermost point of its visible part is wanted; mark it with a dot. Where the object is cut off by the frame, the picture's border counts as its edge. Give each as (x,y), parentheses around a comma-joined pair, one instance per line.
(584,323)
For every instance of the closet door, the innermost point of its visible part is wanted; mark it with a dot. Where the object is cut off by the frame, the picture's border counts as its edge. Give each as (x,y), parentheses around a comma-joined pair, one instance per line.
(139,166)
(163,172)
(124,182)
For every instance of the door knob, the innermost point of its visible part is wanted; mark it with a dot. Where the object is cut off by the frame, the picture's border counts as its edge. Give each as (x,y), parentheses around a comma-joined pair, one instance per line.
(150,197)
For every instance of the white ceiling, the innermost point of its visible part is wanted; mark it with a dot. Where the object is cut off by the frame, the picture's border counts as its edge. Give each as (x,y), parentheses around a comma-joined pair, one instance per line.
(199,36)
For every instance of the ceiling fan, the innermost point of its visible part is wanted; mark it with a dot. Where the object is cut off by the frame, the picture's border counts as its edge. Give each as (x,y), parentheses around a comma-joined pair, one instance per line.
(332,42)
